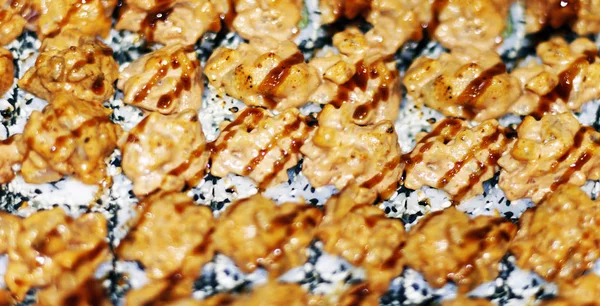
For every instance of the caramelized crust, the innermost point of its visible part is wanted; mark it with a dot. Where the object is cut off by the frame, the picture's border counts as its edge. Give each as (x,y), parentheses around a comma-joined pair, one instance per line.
(69,137)
(165,152)
(171,22)
(548,153)
(456,158)
(449,246)
(7,71)
(566,79)
(257,232)
(364,87)
(364,236)
(167,81)
(277,19)
(340,153)
(466,83)
(560,238)
(264,72)
(583,16)
(584,290)
(56,254)
(260,146)
(72,64)
(169,228)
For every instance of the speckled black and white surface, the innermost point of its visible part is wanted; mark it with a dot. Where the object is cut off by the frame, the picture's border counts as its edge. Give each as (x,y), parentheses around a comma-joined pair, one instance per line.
(322,273)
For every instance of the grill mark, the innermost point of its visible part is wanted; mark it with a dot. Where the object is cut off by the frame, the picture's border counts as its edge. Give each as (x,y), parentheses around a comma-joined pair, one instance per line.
(269,85)
(563,88)
(468,98)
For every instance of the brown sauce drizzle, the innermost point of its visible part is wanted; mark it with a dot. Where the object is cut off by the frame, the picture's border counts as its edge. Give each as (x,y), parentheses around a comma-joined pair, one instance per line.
(475,177)
(194,155)
(452,124)
(269,85)
(591,55)
(468,98)
(436,9)
(358,294)
(227,18)
(579,163)
(377,178)
(98,85)
(563,89)
(278,165)
(148,25)
(84,128)
(65,20)
(287,129)
(178,60)
(351,9)
(184,82)
(382,93)
(359,80)
(485,143)
(563,12)
(254,114)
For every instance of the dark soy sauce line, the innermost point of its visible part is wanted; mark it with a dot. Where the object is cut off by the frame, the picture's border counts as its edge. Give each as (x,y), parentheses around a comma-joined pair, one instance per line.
(160,13)
(579,163)
(255,114)
(563,88)
(453,124)
(468,97)
(269,85)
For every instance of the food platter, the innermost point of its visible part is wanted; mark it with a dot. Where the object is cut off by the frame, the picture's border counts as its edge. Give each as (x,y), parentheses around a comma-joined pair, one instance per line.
(322,274)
